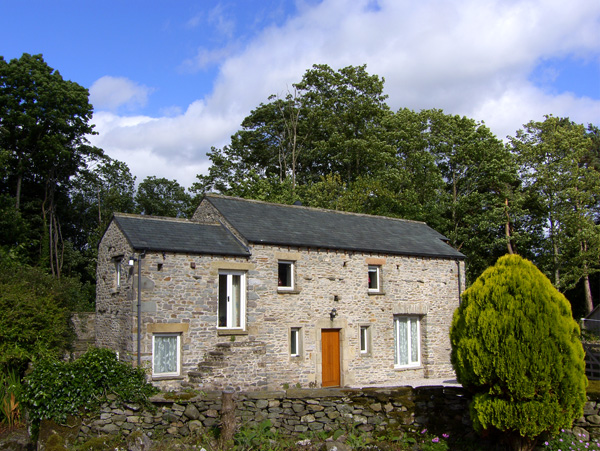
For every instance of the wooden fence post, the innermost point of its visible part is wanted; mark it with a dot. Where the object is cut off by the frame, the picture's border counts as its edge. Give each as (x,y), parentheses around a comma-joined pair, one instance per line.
(227,420)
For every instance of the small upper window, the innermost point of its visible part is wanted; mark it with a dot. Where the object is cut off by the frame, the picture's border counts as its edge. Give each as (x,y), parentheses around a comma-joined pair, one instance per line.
(117,267)
(285,275)
(365,339)
(232,300)
(374,276)
(295,341)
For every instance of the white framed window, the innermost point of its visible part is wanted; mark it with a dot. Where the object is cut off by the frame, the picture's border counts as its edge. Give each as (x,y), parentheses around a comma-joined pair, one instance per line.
(374,278)
(295,342)
(407,341)
(117,268)
(285,275)
(166,354)
(365,339)
(232,300)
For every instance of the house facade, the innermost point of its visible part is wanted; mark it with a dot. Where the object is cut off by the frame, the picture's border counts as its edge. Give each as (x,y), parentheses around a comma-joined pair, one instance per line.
(252,295)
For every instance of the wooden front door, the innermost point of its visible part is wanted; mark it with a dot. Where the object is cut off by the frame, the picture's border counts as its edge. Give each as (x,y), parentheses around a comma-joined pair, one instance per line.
(330,347)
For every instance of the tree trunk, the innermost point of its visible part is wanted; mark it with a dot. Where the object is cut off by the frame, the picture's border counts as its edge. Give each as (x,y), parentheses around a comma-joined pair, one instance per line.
(507,229)
(589,303)
(555,256)
(518,443)
(18,194)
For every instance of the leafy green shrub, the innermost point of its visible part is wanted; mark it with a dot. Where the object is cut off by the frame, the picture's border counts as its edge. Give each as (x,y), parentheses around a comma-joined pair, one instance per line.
(259,436)
(56,389)
(516,346)
(34,316)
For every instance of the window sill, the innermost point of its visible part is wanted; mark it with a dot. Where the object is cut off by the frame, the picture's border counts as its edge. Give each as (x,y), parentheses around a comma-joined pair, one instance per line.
(224,332)
(287,291)
(376,293)
(164,378)
(366,354)
(408,367)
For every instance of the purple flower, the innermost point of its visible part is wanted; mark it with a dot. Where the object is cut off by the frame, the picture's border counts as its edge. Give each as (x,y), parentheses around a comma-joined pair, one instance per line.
(423,431)
(445,435)
(435,440)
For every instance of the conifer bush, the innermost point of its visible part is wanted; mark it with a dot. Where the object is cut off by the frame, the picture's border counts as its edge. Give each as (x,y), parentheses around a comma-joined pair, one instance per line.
(516,347)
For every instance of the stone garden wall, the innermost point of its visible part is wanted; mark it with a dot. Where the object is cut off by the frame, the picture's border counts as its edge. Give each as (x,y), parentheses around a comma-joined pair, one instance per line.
(442,410)
(297,411)
(293,412)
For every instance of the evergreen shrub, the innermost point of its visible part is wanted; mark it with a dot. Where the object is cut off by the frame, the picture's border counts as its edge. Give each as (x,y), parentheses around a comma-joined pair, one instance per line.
(516,347)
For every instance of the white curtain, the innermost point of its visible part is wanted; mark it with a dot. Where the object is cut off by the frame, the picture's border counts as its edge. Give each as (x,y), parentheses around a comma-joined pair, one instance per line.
(401,342)
(414,340)
(237,301)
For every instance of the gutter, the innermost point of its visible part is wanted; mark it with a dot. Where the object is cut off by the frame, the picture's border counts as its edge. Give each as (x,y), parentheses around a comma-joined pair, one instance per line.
(459,281)
(141,255)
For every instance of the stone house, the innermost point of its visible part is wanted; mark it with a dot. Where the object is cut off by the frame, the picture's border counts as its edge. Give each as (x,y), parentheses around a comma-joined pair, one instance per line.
(253,295)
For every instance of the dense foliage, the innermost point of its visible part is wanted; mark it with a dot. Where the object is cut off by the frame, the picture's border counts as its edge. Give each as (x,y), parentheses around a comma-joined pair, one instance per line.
(516,346)
(34,314)
(56,389)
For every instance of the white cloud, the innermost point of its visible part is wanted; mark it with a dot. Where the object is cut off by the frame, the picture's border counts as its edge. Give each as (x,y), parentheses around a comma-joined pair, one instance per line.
(467,57)
(110,93)
(205,58)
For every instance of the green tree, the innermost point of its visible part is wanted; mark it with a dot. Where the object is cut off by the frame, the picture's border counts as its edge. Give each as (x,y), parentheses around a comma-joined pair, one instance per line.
(557,165)
(480,177)
(516,347)
(345,110)
(34,314)
(103,188)
(163,197)
(331,124)
(44,121)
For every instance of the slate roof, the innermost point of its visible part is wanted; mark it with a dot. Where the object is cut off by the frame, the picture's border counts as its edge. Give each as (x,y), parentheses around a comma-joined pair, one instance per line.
(290,225)
(178,235)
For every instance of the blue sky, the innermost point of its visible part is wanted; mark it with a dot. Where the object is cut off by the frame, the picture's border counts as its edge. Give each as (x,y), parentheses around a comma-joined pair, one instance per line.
(169,80)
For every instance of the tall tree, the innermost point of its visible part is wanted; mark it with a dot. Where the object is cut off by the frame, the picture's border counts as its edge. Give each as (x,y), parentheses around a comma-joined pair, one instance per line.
(97,192)
(556,164)
(44,123)
(331,124)
(103,188)
(479,174)
(345,110)
(453,173)
(163,197)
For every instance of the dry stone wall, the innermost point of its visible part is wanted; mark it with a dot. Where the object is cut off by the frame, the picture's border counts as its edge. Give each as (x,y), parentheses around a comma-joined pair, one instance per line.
(292,412)
(442,410)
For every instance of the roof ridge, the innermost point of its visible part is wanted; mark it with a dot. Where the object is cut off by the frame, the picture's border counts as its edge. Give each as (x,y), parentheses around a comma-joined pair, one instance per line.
(156,218)
(325,210)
